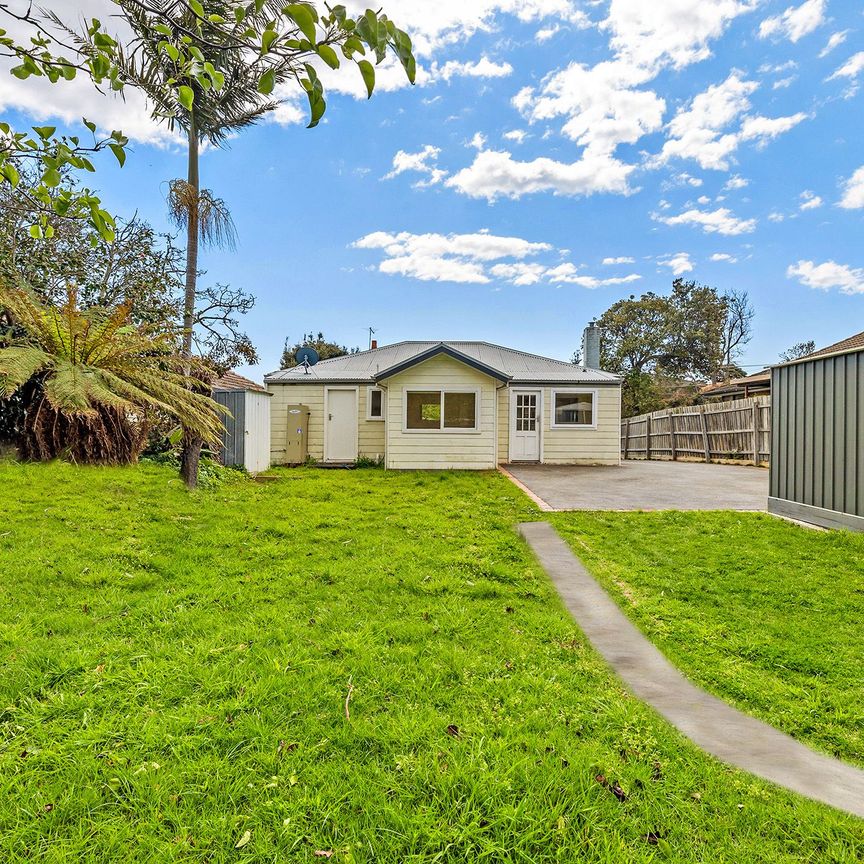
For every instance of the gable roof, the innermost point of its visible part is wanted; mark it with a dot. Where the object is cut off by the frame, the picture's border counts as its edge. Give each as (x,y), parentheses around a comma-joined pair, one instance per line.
(505,364)
(845,346)
(231,381)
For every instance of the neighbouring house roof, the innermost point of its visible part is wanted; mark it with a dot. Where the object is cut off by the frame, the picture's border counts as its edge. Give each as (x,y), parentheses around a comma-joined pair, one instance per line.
(757,381)
(505,364)
(232,381)
(853,343)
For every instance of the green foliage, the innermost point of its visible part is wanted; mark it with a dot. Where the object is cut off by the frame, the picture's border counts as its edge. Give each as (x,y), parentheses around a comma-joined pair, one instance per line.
(211,475)
(797,351)
(198,50)
(176,670)
(326,349)
(95,365)
(764,614)
(682,335)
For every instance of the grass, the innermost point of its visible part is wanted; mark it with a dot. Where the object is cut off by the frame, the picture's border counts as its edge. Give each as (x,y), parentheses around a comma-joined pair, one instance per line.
(766,614)
(175,671)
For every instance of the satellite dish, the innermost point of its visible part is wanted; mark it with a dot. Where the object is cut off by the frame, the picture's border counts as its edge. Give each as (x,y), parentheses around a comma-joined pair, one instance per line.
(306,357)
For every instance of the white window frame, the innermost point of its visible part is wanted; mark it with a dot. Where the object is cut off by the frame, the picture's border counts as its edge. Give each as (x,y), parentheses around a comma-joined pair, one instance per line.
(369,391)
(441,430)
(571,391)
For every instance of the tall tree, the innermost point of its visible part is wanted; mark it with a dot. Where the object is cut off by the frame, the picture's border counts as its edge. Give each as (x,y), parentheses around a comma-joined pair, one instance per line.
(797,351)
(208,71)
(737,329)
(655,341)
(326,350)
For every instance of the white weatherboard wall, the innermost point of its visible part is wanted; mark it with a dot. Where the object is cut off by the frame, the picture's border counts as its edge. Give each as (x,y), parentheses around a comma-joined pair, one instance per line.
(577,446)
(441,448)
(370,433)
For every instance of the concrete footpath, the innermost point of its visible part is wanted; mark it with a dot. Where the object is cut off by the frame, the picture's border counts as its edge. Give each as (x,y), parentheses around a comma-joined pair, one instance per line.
(716,727)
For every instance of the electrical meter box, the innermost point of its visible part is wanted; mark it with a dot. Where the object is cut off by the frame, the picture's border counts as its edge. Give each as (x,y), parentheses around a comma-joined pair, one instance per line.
(297,447)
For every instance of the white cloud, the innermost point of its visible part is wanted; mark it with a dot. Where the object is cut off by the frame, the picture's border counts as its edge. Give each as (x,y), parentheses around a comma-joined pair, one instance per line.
(568,274)
(495,174)
(601,104)
(546,33)
(853,191)
(608,262)
(679,264)
(765,129)
(478,142)
(809,200)
(824,277)
(851,69)
(673,31)
(796,22)
(720,221)
(421,163)
(724,256)
(517,135)
(834,41)
(520,273)
(476,258)
(736,181)
(482,68)
(775,216)
(446,258)
(697,131)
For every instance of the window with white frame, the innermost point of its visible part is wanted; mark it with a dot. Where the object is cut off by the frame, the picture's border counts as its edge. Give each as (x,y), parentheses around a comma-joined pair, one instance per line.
(441,410)
(573,408)
(374,403)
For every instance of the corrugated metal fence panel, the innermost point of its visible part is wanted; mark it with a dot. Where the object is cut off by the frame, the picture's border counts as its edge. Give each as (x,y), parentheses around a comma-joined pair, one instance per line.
(818,433)
(232,445)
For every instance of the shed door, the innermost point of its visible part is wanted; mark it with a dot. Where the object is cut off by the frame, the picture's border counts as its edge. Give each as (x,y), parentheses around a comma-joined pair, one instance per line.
(340,443)
(525,426)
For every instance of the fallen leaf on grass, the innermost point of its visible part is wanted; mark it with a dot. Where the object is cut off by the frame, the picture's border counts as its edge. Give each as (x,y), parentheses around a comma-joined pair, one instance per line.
(323,853)
(247,836)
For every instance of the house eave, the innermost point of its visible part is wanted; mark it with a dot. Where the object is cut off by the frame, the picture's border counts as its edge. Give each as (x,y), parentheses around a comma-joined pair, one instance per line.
(449,352)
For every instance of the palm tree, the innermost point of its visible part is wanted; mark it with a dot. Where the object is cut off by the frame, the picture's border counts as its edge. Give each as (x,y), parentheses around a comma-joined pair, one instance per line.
(90,378)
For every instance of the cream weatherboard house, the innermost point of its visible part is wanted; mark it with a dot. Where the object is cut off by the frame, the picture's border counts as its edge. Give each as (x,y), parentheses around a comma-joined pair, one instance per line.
(447,405)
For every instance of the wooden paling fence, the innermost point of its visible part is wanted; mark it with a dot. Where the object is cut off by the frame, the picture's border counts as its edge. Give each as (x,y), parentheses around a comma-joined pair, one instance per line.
(720,431)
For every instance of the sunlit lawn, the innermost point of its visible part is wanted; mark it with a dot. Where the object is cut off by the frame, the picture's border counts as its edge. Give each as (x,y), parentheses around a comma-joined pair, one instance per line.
(364,663)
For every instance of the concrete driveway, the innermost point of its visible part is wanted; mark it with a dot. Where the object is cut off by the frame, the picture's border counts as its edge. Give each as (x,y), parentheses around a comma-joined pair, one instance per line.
(640,485)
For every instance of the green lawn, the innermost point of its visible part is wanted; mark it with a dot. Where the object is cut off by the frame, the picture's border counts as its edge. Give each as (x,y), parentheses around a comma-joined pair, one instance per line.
(766,614)
(174,671)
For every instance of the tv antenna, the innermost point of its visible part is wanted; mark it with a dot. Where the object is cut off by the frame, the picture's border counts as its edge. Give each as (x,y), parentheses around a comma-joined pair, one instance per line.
(372,332)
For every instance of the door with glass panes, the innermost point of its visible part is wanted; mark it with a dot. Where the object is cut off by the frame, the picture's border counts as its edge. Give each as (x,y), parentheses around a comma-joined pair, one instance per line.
(525,423)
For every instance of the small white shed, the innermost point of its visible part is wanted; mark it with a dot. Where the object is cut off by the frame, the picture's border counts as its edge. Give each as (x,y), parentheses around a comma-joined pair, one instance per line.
(246,436)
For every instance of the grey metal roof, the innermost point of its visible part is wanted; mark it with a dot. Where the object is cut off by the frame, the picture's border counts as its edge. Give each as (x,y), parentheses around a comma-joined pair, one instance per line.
(514,366)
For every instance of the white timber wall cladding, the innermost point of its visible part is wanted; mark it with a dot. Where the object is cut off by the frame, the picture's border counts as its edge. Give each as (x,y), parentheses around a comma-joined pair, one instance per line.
(584,446)
(370,432)
(441,449)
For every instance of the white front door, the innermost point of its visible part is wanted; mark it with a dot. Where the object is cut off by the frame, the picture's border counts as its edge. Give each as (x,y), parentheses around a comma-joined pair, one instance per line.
(340,425)
(525,423)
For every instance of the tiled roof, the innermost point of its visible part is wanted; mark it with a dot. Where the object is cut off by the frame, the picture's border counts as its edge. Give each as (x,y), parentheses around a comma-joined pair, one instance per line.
(515,366)
(733,384)
(233,381)
(853,343)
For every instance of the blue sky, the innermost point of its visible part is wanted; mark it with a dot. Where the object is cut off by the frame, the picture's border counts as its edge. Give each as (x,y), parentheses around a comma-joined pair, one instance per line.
(555,157)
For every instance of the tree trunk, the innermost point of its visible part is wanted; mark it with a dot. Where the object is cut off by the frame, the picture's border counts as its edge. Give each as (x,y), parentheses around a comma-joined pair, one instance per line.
(192,444)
